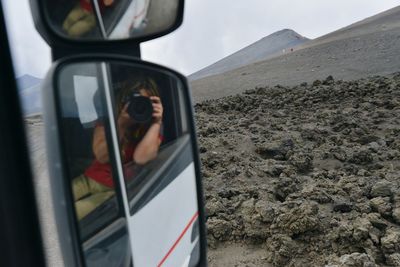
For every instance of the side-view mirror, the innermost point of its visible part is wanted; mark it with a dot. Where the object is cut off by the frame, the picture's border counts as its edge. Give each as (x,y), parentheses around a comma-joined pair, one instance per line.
(97,20)
(123,162)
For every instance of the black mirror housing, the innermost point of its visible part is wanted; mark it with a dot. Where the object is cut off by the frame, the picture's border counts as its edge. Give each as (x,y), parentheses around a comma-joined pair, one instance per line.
(55,36)
(77,242)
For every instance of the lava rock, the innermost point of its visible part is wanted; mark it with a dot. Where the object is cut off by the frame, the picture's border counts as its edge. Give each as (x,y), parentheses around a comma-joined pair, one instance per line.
(342,207)
(396,215)
(298,220)
(381,205)
(316,83)
(393,259)
(361,157)
(219,229)
(391,241)
(329,80)
(356,260)
(276,150)
(377,221)
(303,162)
(382,189)
(214,207)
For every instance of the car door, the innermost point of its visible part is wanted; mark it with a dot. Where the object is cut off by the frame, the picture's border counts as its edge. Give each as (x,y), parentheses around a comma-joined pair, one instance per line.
(20,236)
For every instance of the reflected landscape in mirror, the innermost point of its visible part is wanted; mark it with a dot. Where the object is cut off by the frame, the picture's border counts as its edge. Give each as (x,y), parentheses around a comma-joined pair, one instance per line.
(129,123)
(110,19)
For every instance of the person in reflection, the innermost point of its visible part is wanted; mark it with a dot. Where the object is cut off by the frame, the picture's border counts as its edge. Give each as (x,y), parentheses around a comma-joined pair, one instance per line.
(139,143)
(81,19)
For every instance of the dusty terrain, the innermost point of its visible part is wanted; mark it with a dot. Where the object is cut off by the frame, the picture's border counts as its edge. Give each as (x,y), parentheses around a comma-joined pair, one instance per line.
(303,176)
(369,47)
(268,47)
(293,176)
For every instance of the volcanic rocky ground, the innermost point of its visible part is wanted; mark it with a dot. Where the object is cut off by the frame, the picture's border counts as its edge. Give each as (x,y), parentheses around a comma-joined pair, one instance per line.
(304,176)
(294,175)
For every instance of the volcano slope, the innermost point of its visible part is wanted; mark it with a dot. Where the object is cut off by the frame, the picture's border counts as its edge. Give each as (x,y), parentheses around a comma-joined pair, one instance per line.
(369,47)
(304,176)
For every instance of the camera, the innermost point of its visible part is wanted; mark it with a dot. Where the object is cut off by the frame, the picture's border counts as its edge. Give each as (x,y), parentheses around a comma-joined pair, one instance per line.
(140,108)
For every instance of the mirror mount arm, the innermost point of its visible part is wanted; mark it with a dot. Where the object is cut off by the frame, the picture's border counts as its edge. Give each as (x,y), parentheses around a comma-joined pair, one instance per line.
(62,50)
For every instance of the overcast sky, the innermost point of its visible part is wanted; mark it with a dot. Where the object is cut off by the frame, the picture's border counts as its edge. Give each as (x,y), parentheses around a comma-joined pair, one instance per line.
(211,30)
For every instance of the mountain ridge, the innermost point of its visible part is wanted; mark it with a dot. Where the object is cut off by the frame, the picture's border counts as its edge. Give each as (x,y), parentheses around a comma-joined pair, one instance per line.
(270,46)
(26,81)
(29,92)
(367,47)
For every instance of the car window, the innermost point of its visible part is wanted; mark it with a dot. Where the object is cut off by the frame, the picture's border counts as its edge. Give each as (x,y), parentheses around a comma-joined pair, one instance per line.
(111,15)
(86,145)
(159,133)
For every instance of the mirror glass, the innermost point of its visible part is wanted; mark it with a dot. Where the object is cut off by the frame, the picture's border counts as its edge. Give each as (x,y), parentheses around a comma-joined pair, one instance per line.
(82,126)
(130,162)
(110,19)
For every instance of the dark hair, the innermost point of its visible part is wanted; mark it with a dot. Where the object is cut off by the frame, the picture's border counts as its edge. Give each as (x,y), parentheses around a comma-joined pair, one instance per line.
(135,86)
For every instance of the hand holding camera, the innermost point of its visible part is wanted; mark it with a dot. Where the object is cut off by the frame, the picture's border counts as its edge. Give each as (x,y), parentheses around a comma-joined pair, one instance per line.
(140,109)
(157,109)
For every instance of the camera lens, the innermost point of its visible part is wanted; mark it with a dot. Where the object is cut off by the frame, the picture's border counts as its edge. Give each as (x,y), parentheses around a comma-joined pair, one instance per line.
(140,109)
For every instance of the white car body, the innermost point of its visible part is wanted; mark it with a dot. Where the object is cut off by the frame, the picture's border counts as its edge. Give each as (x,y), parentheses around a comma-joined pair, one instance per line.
(159,239)
(132,20)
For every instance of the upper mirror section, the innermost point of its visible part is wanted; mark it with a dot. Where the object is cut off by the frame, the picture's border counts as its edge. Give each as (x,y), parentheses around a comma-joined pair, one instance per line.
(96,20)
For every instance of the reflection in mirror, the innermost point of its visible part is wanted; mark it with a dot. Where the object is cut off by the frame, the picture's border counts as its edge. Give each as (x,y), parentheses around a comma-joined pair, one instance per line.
(149,116)
(144,148)
(157,163)
(90,173)
(110,19)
